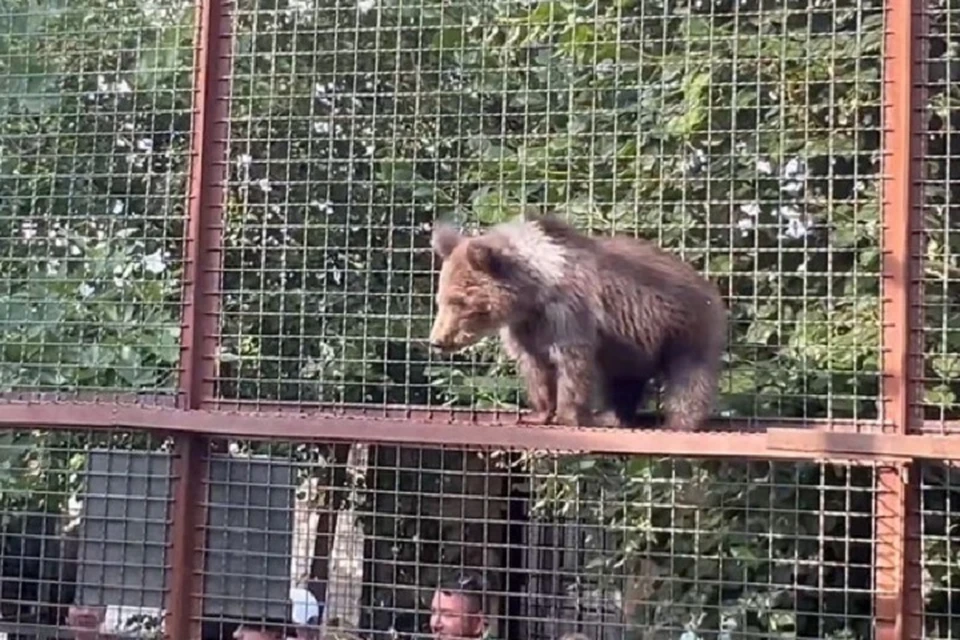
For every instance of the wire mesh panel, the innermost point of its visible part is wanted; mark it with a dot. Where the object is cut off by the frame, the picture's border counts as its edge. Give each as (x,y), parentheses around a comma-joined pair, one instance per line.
(401,542)
(250,529)
(121,558)
(94,127)
(940,510)
(939,218)
(741,135)
(83,539)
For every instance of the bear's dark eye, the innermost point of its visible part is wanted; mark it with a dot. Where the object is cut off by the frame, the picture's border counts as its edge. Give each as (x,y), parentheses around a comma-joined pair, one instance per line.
(456,302)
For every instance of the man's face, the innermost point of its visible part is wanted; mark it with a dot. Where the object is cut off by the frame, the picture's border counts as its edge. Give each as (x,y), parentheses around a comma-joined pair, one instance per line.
(86,622)
(243,633)
(450,617)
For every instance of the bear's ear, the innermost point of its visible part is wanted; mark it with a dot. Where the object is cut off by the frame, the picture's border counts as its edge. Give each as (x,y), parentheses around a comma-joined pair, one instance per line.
(487,259)
(444,240)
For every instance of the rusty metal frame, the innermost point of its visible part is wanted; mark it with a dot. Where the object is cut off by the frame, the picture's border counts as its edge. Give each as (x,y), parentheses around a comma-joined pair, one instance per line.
(770,440)
(194,414)
(201,305)
(897,604)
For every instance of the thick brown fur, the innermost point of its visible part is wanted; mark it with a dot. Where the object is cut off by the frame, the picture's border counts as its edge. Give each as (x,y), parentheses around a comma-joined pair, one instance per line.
(575,311)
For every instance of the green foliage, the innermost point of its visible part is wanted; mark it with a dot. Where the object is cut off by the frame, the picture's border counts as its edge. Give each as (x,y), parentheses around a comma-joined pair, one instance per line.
(93,194)
(743,535)
(68,322)
(743,135)
(94,129)
(687,126)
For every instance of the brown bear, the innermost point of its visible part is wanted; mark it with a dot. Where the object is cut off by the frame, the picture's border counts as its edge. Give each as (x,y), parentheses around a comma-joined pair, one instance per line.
(577,311)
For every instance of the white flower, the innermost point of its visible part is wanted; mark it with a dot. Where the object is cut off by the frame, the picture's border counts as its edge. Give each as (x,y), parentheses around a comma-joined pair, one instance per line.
(154,262)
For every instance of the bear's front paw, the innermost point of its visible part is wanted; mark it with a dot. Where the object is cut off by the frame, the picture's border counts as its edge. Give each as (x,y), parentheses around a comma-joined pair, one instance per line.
(682,425)
(608,419)
(575,418)
(538,417)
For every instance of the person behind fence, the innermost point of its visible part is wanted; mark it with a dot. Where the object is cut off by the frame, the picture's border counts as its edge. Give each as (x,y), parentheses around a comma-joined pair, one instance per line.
(271,630)
(306,614)
(458,609)
(84,623)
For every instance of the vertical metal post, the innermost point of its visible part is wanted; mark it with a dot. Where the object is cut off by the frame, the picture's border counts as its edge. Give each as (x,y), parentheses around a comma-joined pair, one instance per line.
(203,248)
(897,564)
(201,304)
(185,589)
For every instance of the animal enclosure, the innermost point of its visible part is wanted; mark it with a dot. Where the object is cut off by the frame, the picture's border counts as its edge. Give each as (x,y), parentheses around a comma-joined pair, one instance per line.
(217,289)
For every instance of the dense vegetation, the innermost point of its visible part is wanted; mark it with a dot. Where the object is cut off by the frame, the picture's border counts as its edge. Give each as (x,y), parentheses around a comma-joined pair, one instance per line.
(745,135)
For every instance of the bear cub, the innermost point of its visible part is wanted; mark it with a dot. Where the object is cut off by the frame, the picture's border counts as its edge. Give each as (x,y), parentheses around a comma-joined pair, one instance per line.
(577,311)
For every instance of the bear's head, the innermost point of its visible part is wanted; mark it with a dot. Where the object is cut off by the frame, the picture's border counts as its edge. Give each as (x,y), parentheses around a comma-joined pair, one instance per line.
(479,289)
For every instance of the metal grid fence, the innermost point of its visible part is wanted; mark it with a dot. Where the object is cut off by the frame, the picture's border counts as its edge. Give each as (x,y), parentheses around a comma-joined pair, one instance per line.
(215,380)
(698,546)
(95,151)
(745,138)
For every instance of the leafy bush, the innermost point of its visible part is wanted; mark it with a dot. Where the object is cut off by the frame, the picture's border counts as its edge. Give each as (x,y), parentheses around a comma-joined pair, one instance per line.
(746,136)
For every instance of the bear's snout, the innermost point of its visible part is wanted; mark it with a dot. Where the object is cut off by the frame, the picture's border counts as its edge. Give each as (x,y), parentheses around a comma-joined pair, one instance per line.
(440,345)
(450,332)
(445,344)
(444,332)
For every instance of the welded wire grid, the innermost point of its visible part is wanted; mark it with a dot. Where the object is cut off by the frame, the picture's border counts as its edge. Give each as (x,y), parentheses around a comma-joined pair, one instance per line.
(83,539)
(610,547)
(742,135)
(940,509)
(94,135)
(939,271)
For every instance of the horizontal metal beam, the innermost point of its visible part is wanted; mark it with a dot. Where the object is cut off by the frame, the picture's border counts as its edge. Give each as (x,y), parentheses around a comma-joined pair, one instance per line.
(783,440)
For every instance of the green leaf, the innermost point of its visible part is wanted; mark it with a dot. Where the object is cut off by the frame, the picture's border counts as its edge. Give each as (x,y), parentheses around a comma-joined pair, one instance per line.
(693,112)
(947,366)
(159,63)
(940,396)
(448,38)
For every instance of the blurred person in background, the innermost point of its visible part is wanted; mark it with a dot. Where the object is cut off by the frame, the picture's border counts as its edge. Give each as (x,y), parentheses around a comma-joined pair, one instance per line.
(306,614)
(269,630)
(458,611)
(303,621)
(85,622)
